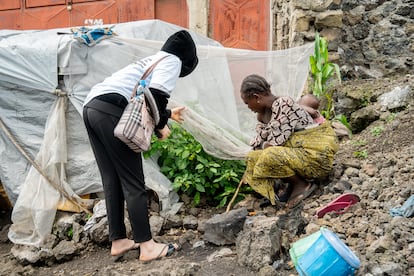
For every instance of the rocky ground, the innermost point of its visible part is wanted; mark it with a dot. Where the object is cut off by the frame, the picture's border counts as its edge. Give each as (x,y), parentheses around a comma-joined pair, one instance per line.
(377,164)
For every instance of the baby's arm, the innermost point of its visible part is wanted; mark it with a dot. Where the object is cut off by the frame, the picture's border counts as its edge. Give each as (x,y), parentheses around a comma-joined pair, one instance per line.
(313,112)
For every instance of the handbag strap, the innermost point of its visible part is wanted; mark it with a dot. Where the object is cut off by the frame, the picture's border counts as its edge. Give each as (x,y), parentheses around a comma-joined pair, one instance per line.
(144,76)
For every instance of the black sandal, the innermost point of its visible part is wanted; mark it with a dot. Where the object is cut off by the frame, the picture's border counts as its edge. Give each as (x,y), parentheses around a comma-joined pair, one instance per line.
(171,248)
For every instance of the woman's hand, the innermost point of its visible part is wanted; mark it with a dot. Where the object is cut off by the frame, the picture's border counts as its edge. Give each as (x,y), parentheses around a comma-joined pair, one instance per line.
(176,113)
(164,133)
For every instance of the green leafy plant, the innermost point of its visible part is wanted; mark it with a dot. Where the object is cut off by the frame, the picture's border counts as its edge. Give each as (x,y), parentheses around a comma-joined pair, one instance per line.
(342,118)
(322,70)
(361,154)
(88,216)
(359,142)
(194,172)
(70,233)
(364,102)
(391,117)
(377,131)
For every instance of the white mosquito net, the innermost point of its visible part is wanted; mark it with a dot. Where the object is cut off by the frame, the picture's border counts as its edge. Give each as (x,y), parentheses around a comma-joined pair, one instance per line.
(45,77)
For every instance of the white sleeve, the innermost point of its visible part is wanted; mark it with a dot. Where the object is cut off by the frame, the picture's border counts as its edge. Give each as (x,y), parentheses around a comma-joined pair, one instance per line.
(165,74)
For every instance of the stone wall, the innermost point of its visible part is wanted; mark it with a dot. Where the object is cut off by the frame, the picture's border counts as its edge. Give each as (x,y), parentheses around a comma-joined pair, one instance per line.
(367,38)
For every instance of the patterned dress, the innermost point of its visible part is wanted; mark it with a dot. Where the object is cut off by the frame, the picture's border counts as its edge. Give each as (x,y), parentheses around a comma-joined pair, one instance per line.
(299,147)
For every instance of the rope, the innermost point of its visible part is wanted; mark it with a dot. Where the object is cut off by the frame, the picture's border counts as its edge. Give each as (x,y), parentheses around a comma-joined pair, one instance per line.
(39,169)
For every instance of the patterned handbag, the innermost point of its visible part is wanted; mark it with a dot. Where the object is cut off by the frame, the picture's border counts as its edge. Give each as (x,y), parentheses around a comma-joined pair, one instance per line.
(137,123)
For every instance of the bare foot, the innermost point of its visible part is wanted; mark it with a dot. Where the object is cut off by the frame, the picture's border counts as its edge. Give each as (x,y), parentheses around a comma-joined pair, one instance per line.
(151,250)
(298,190)
(122,245)
(295,199)
(297,185)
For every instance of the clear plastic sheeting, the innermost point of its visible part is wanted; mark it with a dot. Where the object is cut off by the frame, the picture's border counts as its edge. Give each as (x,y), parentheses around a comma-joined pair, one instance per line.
(36,64)
(159,183)
(35,208)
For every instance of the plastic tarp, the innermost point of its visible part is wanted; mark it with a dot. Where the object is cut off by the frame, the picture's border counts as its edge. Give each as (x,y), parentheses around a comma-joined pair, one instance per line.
(46,75)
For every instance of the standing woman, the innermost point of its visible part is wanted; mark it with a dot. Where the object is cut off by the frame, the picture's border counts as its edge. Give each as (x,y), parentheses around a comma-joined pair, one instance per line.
(288,145)
(120,167)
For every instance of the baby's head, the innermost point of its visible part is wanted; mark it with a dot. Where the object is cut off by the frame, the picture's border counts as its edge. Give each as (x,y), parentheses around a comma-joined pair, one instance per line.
(309,100)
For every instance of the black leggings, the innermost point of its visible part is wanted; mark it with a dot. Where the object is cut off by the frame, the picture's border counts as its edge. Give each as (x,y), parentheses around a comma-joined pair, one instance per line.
(122,174)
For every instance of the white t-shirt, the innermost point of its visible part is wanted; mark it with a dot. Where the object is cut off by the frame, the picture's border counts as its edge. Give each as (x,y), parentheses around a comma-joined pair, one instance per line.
(163,77)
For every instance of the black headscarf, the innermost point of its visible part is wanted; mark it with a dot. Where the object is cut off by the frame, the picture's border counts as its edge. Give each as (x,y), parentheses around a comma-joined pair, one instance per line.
(182,45)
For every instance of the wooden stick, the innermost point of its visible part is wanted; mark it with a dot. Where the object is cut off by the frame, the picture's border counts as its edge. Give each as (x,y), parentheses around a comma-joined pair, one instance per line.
(234,196)
(40,170)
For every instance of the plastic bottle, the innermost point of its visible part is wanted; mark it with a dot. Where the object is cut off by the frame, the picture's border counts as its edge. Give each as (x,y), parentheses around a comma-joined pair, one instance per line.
(140,88)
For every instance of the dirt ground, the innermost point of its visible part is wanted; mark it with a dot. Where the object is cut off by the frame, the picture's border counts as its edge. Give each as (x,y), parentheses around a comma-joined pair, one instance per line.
(392,138)
(95,260)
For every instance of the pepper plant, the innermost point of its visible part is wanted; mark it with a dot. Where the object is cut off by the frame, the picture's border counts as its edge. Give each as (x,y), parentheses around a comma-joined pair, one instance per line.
(194,172)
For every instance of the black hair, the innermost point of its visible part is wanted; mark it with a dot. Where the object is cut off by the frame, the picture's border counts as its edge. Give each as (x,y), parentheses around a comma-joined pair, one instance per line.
(254,84)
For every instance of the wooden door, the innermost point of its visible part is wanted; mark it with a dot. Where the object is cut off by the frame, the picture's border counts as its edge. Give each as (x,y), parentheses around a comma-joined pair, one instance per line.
(93,12)
(10,15)
(240,23)
(38,14)
(172,11)
(87,13)
(48,14)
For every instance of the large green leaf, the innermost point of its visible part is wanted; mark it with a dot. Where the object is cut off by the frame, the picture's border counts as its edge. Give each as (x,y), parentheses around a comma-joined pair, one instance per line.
(200,188)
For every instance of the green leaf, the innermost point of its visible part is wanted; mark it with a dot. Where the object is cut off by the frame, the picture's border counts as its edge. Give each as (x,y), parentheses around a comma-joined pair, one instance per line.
(185,154)
(197,198)
(342,118)
(176,185)
(200,188)
(327,72)
(223,202)
(230,189)
(317,45)
(337,71)
(202,160)
(214,164)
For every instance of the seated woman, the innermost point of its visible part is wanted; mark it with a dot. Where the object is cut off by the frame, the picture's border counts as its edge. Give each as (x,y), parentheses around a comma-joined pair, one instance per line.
(288,144)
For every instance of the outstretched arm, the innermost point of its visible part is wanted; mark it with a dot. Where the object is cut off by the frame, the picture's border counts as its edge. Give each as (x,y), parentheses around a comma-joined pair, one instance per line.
(176,115)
